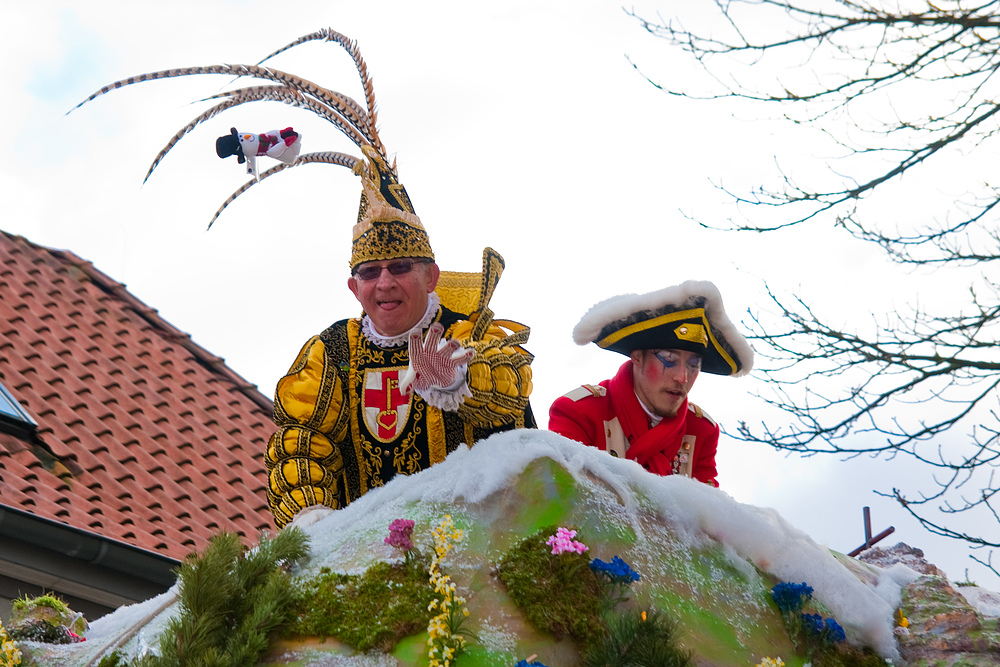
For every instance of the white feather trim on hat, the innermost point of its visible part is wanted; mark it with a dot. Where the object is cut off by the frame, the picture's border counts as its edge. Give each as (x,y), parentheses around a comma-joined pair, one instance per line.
(617,308)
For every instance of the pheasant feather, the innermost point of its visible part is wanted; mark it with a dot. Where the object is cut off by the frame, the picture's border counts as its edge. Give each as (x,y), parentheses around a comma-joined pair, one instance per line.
(358,122)
(351,119)
(324,157)
(351,46)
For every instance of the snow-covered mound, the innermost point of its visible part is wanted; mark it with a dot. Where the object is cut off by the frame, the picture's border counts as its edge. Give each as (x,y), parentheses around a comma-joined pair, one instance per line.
(703,556)
(984,601)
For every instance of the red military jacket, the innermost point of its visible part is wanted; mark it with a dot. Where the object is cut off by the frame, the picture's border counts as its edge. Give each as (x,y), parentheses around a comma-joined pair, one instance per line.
(608,416)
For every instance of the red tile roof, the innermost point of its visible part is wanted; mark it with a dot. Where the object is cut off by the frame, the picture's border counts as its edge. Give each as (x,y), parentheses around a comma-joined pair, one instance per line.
(146,438)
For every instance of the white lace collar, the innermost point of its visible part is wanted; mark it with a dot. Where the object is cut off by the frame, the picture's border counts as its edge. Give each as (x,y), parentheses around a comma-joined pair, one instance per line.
(368,328)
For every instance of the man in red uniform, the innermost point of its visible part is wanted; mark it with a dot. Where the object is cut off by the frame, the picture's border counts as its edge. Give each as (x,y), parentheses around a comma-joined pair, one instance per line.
(643,413)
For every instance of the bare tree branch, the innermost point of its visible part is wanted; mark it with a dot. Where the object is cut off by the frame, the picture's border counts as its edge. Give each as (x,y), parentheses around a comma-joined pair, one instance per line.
(898,88)
(857,54)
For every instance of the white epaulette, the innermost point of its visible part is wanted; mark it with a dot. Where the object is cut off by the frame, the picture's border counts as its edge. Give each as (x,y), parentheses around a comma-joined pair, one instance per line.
(586,391)
(698,412)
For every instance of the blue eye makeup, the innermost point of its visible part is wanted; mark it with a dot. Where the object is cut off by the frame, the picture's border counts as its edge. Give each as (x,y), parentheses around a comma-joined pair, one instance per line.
(670,359)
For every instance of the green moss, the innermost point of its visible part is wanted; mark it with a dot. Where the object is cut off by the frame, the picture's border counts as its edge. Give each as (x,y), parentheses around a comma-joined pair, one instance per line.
(848,656)
(45,619)
(374,610)
(50,601)
(557,594)
(935,598)
(113,659)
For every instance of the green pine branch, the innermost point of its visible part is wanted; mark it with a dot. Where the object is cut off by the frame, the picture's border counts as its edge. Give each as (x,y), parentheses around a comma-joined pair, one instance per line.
(230,601)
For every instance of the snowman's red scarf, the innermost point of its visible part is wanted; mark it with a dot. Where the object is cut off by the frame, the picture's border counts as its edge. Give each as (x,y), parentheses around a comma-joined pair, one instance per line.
(653,448)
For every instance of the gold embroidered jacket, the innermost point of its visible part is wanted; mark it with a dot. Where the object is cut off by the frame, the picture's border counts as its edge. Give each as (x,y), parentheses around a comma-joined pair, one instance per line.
(344,426)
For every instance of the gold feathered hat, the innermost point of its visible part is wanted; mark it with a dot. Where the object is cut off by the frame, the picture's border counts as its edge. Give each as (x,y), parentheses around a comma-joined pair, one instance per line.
(387,226)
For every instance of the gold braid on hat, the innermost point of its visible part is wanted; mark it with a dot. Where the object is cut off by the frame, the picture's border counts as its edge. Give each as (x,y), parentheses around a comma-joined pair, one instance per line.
(387,224)
(387,227)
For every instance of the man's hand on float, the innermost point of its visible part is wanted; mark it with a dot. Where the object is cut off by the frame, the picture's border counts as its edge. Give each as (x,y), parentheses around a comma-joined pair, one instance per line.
(433,362)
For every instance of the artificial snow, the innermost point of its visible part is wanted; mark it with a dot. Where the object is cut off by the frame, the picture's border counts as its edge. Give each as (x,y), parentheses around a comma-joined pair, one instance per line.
(985,602)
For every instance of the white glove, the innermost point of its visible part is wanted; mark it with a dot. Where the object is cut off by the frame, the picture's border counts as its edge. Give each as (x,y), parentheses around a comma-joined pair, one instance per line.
(310,515)
(434,362)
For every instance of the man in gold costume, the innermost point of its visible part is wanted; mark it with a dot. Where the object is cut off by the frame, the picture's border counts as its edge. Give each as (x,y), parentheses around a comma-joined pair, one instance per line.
(394,391)
(424,369)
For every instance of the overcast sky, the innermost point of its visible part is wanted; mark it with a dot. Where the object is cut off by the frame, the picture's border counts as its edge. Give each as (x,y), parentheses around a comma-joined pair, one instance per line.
(518,125)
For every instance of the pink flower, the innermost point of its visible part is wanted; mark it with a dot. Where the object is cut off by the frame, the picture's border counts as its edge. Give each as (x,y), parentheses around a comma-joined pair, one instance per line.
(401,526)
(563,541)
(400,531)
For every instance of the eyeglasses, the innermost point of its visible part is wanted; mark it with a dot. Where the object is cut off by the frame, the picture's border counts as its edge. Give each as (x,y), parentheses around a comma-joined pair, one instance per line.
(398,268)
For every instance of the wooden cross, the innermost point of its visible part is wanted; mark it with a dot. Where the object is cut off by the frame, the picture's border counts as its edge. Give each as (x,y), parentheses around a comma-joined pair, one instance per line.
(869,540)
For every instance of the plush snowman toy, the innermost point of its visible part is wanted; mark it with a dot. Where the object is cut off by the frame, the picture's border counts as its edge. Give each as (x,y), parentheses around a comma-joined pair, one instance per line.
(282,145)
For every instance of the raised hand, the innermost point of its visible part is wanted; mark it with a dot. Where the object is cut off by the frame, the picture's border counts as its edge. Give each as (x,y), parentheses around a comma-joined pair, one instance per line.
(433,361)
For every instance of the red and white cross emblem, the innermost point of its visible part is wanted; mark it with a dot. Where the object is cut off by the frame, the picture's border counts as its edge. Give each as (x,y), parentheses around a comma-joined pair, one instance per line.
(385,407)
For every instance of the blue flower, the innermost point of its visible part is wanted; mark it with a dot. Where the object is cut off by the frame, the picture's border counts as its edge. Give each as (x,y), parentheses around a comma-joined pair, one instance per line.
(826,628)
(618,571)
(834,631)
(790,598)
(812,623)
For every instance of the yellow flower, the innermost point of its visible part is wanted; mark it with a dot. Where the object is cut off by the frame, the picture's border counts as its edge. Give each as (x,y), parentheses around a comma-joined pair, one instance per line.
(443,629)
(10,655)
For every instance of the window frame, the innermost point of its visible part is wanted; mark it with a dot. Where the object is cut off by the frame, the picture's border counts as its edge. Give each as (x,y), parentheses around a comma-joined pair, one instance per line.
(16,420)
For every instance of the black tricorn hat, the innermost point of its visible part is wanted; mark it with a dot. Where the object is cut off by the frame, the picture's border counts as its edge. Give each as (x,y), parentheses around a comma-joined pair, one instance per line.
(689,316)
(230,145)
